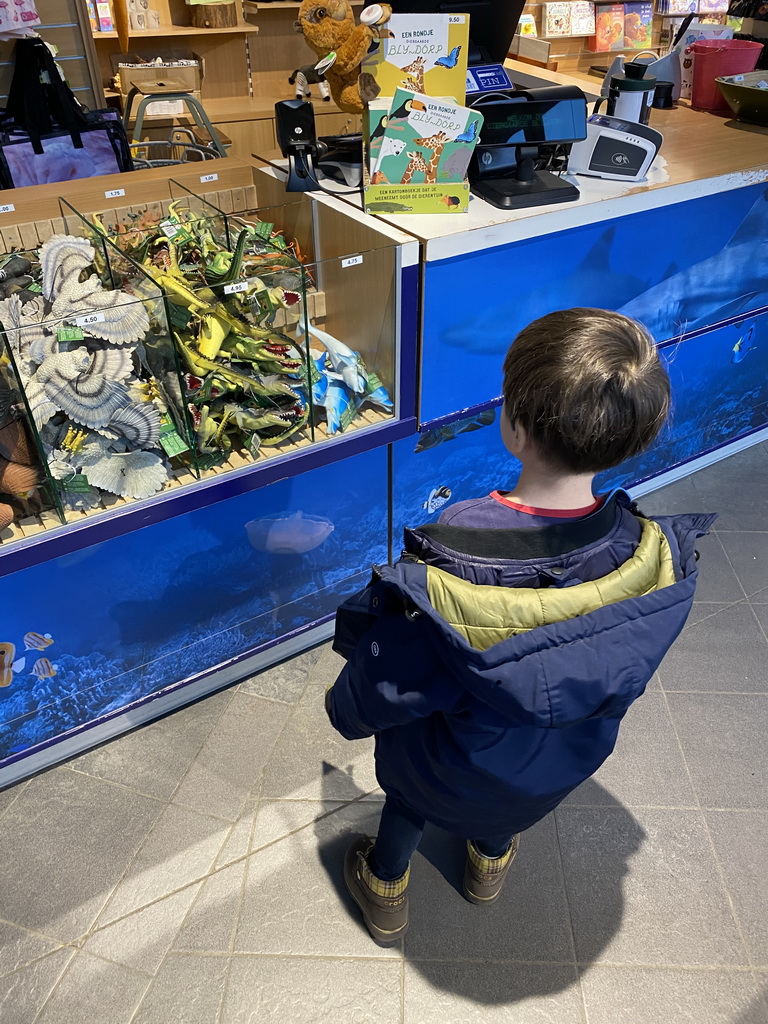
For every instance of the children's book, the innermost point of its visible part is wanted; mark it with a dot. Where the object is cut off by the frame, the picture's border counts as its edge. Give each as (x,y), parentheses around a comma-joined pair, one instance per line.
(582,18)
(526,26)
(609,28)
(557,19)
(638,25)
(426,53)
(425,140)
(681,7)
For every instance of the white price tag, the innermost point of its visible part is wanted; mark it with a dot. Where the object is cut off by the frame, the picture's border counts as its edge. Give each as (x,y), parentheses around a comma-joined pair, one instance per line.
(238,286)
(91,318)
(352,261)
(7,208)
(208,177)
(113,193)
(456,19)
(169,229)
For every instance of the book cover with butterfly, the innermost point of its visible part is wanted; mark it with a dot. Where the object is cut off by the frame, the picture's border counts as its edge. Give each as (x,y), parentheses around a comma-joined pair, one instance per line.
(426,53)
(425,141)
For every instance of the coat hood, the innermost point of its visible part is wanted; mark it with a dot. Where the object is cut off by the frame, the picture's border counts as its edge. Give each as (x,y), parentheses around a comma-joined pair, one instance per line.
(552,656)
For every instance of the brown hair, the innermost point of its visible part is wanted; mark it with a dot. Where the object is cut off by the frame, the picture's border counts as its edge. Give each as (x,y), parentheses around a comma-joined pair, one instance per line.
(588,387)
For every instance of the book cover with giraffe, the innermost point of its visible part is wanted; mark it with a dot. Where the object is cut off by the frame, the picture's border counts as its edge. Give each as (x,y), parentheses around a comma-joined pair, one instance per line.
(424,140)
(425,53)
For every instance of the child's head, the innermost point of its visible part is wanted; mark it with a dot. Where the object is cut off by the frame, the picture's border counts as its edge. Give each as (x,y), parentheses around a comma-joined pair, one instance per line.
(587,387)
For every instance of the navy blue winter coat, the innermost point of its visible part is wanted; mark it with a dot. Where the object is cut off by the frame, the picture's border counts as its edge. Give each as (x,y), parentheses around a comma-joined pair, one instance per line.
(494,666)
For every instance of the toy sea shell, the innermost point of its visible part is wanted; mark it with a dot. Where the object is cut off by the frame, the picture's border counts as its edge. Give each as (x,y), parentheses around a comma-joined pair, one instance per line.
(14,444)
(15,479)
(63,256)
(87,398)
(139,424)
(135,474)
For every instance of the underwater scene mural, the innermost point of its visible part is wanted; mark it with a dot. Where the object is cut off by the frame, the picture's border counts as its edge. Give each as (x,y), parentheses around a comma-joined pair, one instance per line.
(90,632)
(677,269)
(719,393)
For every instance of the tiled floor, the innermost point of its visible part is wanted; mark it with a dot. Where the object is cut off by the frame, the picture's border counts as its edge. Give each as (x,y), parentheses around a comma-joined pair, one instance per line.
(189,873)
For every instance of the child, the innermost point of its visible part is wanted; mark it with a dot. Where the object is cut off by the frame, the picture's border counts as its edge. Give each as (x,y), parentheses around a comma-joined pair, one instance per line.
(496,659)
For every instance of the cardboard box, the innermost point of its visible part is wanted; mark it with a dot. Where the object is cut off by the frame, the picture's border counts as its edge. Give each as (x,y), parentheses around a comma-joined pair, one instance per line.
(139,68)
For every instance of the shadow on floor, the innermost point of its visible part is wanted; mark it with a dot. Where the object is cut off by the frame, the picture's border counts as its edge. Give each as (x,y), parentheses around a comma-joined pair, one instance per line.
(453,944)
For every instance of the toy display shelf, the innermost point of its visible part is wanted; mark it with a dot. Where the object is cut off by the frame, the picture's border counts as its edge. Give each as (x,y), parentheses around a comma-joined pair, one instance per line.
(327,233)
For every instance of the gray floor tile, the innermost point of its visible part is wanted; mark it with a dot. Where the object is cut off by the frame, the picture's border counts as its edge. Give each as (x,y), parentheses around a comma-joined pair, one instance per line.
(741,843)
(153,759)
(278,818)
(19,947)
(238,841)
(646,768)
(295,900)
(313,762)
(143,938)
(761,611)
(209,927)
(286,681)
(723,740)
(181,849)
(529,921)
(672,499)
(646,893)
(616,995)
(727,651)
(444,992)
(64,845)
(187,990)
(736,488)
(327,667)
(748,554)
(119,992)
(717,579)
(226,770)
(702,610)
(24,992)
(9,796)
(281,989)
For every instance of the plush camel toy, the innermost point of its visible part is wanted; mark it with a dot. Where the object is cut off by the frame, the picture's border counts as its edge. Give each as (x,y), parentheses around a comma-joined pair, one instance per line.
(329,28)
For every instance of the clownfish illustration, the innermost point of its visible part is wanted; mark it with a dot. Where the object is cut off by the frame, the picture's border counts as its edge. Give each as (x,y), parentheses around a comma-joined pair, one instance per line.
(450,60)
(438,497)
(43,669)
(7,665)
(37,641)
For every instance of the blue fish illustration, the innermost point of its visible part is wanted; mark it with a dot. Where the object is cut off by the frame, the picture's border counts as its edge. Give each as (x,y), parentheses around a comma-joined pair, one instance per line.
(730,282)
(438,497)
(450,60)
(470,135)
(742,346)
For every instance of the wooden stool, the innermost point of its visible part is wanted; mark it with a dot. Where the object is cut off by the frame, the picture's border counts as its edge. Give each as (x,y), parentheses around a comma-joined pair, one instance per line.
(165,90)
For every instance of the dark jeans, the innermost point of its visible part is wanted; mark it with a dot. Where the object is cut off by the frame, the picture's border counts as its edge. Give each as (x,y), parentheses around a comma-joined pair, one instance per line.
(400,832)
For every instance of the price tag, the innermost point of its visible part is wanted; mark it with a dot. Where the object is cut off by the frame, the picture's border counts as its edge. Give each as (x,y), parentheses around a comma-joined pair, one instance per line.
(92,318)
(237,286)
(456,19)
(69,334)
(352,261)
(113,193)
(169,229)
(7,208)
(208,177)
(254,444)
(76,484)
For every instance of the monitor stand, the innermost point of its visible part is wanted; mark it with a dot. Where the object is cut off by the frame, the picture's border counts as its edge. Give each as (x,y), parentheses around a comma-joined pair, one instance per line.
(528,187)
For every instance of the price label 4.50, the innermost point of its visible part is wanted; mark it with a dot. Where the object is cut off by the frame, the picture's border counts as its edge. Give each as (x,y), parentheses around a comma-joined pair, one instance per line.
(89,319)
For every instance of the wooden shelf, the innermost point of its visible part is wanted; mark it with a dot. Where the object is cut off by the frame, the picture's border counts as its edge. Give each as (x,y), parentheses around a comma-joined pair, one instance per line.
(181,30)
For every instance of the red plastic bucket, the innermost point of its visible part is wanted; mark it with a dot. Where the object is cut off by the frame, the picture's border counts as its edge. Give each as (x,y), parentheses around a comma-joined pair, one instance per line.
(714,58)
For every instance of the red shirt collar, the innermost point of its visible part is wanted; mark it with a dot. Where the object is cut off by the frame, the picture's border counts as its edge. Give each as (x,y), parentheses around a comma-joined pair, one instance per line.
(549,513)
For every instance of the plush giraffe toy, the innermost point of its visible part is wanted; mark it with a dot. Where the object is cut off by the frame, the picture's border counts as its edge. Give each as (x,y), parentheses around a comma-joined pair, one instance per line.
(329,28)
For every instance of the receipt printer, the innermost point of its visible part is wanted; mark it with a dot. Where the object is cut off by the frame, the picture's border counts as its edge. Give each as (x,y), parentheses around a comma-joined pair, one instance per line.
(615,148)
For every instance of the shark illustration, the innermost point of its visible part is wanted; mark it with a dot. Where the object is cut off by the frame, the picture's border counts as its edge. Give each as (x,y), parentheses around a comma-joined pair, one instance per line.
(732,281)
(592,283)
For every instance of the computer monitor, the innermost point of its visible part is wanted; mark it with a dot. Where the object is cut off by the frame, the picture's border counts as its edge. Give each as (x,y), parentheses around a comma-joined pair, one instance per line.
(492,23)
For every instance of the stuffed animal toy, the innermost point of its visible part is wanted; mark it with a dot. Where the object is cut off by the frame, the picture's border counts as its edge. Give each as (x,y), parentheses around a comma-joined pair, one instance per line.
(329,28)
(306,76)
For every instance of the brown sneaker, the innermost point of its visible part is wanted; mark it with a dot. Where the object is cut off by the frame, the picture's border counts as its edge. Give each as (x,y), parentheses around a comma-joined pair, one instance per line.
(484,876)
(384,904)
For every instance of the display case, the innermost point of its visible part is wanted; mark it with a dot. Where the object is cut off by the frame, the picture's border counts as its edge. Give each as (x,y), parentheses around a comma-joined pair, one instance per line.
(119,607)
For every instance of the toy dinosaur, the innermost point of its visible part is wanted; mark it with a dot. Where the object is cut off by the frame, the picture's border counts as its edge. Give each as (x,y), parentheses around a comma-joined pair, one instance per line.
(308,75)
(330,31)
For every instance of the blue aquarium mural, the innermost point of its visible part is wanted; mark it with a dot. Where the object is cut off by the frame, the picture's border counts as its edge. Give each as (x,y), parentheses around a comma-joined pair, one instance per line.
(678,269)
(90,632)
